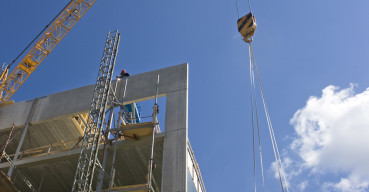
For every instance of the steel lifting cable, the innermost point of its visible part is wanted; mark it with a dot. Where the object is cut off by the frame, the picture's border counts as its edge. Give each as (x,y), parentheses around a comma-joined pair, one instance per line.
(270,127)
(252,63)
(254,104)
(250,6)
(47,26)
(271,130)
(261,156)
(257,121)
(257,124)
(252,119)
(238,12)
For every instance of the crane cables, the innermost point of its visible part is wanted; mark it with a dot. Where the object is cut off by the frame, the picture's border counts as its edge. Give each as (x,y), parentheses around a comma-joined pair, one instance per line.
(247,26)
(281,174)
(254,105)
(42,31)
(238,12)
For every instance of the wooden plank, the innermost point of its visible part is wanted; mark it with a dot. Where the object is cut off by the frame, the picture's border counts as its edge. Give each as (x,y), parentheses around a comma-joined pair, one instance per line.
(130,188)
(138,125)
(137,130)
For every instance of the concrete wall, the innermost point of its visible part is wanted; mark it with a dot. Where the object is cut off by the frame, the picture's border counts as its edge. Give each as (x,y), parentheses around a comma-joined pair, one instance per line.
(173,84)
(69,103)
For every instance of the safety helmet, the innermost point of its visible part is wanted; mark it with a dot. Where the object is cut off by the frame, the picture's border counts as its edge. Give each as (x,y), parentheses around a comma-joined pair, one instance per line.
(123,71)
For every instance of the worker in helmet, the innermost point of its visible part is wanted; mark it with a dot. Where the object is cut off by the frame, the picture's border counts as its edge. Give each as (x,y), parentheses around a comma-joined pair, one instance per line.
(123,74)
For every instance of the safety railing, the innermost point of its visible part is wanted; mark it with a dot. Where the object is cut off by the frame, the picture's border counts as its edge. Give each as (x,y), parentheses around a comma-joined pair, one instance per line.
(199,183)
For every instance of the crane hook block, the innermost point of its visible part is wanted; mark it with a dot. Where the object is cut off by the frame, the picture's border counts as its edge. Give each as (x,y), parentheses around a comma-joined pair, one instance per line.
(246,26)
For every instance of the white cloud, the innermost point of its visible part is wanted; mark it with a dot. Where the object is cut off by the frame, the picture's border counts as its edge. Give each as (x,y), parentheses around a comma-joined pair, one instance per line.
(347,185)
(290,170)
(333,138)
(301,186)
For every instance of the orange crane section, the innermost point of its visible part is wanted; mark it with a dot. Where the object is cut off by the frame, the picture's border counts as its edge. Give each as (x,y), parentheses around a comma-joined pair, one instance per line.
(68,17)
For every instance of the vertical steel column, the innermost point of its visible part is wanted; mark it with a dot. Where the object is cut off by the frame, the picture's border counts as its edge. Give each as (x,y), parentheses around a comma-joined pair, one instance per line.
(133,121)
(29,118)
(107,130)
(154,120)
(112,171)
(100,179)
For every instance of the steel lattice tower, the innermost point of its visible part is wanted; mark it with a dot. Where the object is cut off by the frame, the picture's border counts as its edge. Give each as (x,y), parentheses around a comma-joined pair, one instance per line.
(92,134)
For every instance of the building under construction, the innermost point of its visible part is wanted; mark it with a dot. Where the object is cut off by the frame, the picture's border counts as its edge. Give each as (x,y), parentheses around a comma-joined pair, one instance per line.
(45,136)
(93,138)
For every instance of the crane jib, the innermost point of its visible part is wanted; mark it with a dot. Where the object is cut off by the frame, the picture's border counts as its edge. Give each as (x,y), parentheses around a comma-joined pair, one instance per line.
(55,32)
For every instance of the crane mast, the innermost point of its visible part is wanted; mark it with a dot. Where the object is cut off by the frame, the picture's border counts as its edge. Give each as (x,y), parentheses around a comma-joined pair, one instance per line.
(68,17)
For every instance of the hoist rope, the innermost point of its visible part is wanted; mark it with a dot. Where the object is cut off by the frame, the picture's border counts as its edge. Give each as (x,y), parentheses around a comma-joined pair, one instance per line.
(238,12)
(270,127)
(259,140)
(252,119)
(254,104)
(250,6)
(261,156)
(47,26)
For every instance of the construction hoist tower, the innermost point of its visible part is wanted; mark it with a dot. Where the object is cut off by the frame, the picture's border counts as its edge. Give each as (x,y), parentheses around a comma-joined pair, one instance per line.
(95,123)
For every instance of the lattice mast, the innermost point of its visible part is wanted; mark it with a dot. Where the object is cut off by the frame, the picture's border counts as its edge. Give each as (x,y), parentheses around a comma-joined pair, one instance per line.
(92,135)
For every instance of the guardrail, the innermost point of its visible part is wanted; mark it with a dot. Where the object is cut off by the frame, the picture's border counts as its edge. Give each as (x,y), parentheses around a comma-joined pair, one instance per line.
(200,187)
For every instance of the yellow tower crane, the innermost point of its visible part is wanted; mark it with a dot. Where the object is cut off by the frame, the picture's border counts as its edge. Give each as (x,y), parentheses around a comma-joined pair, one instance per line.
(56,30)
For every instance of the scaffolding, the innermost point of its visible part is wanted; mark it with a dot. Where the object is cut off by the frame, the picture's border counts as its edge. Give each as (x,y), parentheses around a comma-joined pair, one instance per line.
(6,183)
(127,127)
(100,129)
(131,153)
(92,135)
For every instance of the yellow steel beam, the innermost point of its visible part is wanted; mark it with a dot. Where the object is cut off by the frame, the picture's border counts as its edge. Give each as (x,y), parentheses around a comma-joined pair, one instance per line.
(54,34)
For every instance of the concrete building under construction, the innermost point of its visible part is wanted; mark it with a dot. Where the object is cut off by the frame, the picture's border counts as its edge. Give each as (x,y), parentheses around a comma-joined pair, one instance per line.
(43,139)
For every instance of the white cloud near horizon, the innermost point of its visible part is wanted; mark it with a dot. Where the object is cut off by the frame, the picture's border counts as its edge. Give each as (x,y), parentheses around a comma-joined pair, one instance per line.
(332,139)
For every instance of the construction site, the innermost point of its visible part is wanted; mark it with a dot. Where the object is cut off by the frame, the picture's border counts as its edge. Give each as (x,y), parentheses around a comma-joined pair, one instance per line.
(128,131)
(93,138)
(56,128)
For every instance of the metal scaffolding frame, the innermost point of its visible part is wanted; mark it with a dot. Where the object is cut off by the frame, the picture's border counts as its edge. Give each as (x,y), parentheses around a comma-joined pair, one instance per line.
(133,142)
(92,135)
(12,165)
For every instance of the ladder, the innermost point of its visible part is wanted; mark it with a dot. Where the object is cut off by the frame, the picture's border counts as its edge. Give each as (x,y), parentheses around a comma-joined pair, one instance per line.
(88,156)
(4,154)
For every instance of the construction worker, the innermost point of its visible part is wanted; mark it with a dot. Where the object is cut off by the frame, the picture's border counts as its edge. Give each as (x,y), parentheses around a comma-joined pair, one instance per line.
(123,74)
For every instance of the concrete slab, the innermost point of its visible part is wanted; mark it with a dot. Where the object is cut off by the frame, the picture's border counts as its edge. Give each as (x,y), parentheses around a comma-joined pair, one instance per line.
(53,120)
(76,101)
(59,169)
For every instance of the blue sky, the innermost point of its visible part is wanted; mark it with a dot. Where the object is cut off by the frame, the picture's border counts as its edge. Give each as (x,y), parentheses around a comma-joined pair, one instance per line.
(301,49)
